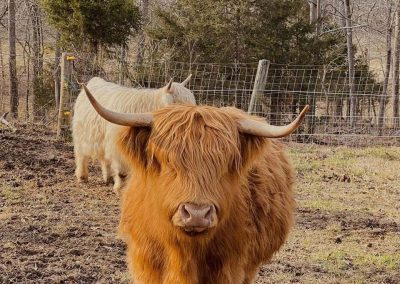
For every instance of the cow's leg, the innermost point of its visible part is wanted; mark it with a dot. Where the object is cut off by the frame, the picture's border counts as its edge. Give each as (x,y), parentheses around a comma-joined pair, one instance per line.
(231,273)
(81,170)
(117,175)
(141,269)
(105,170)
(251,271)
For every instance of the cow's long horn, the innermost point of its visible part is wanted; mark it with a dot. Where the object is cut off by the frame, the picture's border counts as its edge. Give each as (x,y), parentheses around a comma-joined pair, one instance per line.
(126,119)
(263,129)
(186,80)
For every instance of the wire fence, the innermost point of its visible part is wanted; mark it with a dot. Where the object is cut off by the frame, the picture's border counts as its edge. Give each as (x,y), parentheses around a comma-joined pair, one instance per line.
(41,110)
(288,88)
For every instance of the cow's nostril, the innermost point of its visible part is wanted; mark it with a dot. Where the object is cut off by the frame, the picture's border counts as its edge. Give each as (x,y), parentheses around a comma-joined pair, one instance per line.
(210,212)
(184,212)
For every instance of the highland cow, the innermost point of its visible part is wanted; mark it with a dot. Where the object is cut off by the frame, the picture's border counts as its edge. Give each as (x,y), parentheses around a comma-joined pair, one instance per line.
(212,197)
(95,138)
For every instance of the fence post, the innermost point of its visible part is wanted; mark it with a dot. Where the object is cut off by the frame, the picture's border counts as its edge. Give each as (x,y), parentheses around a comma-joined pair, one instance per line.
(64,110)
(259,83)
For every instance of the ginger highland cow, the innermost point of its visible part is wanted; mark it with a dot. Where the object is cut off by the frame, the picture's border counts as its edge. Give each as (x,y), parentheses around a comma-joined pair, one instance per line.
(211,199)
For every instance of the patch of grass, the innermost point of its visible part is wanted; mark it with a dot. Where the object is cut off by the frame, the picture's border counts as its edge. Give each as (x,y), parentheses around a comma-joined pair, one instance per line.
(9,245)
(282,277)
(359,257)
(324,204)
(338,260)
(342,158)
(9,193)
(339,161)
(334,261)
(325,251)
(390,154)
(383,261)
(306,167)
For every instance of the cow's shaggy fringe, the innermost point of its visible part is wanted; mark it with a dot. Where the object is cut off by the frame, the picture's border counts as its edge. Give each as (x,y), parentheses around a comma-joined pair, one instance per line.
(94,137)
(196,154)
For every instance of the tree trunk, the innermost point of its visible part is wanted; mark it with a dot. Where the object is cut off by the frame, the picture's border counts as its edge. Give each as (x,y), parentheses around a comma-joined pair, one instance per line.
(36,39)
(338,107)
(313,11)
(12,60)
(56,73)
(351,64)
(340,101)
(2,78)
(383,98)
(237,34)
(317,28)
(37,58)
(28,77)
(396,61)
(144,9)
(122,63)
(342,18)
(313,100)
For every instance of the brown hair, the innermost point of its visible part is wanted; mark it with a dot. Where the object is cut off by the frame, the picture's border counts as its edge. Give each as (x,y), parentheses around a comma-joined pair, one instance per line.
(196,154)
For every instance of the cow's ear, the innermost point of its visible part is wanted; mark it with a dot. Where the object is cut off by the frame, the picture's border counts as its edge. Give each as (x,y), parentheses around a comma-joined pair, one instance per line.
(251,147)
(133,143)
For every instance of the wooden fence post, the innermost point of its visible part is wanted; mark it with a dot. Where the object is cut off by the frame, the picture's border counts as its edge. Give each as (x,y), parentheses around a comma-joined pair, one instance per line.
(64,110)
(259,83)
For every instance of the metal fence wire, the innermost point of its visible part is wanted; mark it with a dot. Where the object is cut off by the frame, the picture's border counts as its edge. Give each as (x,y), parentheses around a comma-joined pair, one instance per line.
(287,89)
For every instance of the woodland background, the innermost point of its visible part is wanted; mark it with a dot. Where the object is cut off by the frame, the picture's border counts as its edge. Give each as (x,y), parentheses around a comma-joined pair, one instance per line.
(341,57)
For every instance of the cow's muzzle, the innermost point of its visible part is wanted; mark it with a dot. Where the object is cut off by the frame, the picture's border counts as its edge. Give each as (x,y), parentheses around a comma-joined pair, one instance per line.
(193,218)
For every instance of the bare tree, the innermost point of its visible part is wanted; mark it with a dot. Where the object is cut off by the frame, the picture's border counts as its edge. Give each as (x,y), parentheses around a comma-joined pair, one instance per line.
(383,98)
(315,14)
(2,75)
(37,49)
(144,9)
(351,63)
(396,65)
(12,60)
(122,65)
(313,10)
(56,71)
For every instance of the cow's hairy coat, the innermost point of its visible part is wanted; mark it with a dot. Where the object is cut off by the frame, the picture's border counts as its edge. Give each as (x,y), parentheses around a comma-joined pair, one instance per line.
(196,154)
(94,137)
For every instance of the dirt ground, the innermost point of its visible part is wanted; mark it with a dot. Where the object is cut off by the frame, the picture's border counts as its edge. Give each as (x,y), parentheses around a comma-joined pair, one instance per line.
(55,231)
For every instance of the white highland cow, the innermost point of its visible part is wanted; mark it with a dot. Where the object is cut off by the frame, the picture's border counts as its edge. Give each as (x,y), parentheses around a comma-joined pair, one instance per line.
(94,137)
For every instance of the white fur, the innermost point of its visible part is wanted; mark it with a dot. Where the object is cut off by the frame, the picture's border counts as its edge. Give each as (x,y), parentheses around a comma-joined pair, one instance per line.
(95,138)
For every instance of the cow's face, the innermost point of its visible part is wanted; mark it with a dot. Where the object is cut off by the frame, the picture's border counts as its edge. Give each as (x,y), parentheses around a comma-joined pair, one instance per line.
(182,95)
(179,93)
(192,159)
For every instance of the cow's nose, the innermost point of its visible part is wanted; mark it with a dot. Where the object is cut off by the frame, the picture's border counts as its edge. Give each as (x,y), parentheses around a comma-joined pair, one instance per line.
(197,217)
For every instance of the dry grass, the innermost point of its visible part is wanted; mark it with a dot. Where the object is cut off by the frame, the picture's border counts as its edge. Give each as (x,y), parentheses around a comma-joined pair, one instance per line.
(54,231)
(348,221)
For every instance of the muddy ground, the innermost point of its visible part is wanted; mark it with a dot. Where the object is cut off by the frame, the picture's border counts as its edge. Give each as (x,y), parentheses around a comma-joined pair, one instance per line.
(55,231)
